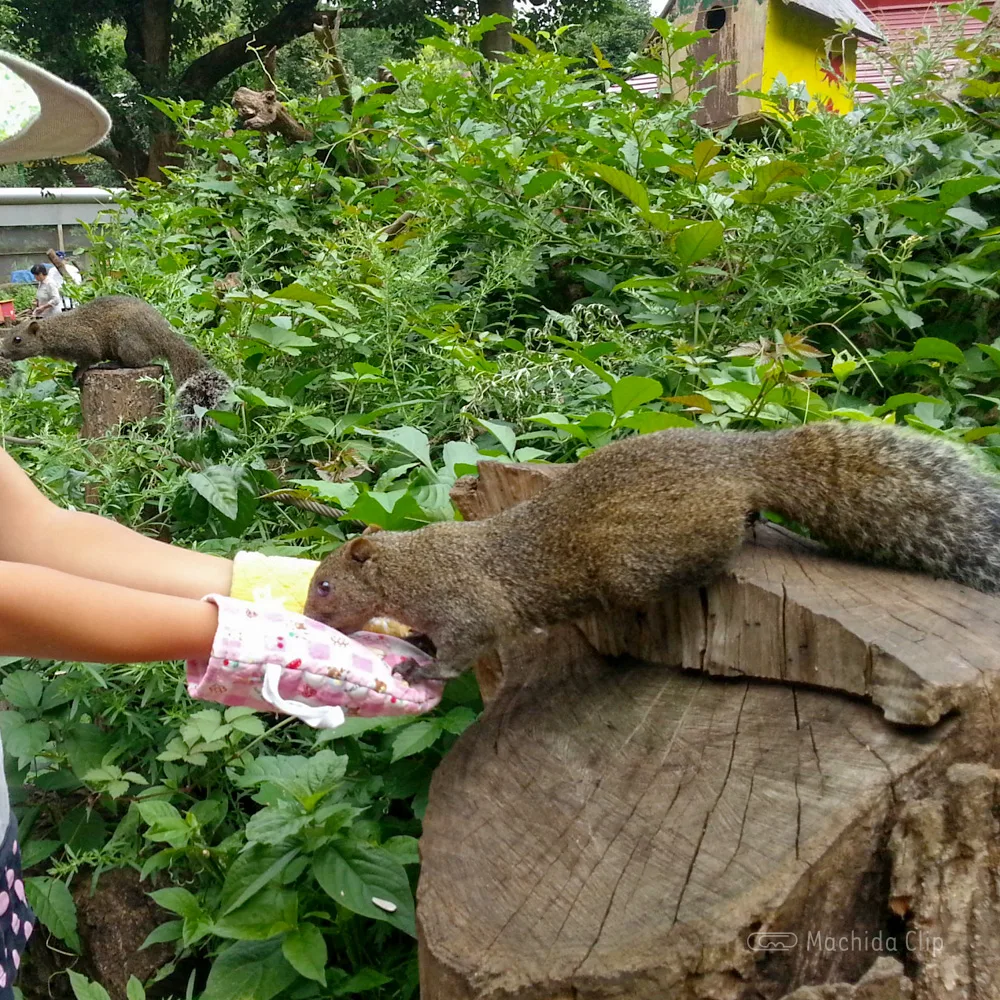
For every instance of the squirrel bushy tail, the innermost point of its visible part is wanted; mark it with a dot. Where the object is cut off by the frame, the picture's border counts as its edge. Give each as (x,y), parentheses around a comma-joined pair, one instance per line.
(886,495)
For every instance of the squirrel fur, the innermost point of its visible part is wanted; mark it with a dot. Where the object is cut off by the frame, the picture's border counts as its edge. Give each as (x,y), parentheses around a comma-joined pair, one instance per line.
(118,331)
(649,513)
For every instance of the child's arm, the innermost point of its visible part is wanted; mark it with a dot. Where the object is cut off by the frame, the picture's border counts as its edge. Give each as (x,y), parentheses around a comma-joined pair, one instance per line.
(52,615)
(34,530)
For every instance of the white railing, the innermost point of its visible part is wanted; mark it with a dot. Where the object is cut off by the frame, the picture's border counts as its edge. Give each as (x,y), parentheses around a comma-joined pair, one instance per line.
(22,206)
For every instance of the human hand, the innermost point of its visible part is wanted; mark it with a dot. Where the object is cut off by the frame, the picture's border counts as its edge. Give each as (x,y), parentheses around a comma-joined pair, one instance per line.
(274,660)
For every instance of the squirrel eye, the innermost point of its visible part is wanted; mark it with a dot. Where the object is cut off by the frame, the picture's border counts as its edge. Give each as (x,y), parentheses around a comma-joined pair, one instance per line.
(17,340)
(323,588)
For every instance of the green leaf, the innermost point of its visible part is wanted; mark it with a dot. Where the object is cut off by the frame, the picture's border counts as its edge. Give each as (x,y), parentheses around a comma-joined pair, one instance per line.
(458,720)
(134,990)
(650,421)
(165,823)
(34,852)
(968,217)
(542,182)
(632,391)
(361,982)
(54,906)
(504,434)
(84,989)
(306,779)
(23,689)
(698,241)
(275,824)
(177,900)
(904,399)
(305,950)
(991,352)
(270,912)
(778,172)
(961,187)
(219,486)
(623,183)
(280,339)
(414,738)
(367,880)
(249,970)
(83,829)
(406,850)
(250,872)
(912,320)
(298,293)
(937,349)
(703,154)
(164,934)
(409,439)
(24,740)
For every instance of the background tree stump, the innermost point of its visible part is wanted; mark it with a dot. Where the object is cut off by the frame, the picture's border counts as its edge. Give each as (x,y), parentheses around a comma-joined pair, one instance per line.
(617,826)
(112,398)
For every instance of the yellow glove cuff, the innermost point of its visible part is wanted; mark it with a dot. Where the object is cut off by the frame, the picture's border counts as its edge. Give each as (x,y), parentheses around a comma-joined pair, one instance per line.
(282,582)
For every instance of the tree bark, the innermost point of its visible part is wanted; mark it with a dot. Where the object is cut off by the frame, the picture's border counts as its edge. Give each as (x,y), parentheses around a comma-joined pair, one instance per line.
(496,43)
(294,19)
(614,826)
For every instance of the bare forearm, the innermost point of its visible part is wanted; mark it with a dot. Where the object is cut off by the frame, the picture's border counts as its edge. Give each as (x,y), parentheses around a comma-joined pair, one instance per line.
(101,549)
(52,615)
(37,531)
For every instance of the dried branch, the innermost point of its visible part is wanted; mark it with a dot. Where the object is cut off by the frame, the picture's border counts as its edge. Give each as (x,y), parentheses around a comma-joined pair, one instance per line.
(263,112)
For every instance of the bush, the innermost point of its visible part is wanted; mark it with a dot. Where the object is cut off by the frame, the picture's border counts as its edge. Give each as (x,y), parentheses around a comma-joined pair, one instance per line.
(581,262)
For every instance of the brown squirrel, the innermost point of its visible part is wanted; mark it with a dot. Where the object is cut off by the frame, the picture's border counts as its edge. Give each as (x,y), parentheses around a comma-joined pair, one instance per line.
(649,513)
(117,331)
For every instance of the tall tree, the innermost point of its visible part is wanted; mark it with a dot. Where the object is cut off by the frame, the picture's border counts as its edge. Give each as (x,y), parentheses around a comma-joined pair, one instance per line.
(497,42)
(123,51)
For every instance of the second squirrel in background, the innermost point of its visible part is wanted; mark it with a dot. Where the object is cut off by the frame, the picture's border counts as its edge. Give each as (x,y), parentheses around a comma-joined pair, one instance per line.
(650,513)
(117,331)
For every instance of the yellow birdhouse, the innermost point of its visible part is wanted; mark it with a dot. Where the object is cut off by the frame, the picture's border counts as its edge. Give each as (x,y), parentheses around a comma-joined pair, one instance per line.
(763,41)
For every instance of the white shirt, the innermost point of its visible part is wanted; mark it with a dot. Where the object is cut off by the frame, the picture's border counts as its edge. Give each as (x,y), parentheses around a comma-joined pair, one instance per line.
(48,294)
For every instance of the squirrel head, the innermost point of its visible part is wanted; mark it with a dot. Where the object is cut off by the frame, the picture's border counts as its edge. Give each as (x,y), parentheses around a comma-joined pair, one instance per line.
(345,591)
(21,341)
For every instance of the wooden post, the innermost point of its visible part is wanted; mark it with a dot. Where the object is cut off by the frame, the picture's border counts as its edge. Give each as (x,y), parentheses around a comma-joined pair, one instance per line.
(621,823)
(111,398)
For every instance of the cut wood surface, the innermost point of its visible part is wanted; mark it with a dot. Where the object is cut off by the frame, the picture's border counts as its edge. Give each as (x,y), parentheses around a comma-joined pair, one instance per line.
(917,647)
(617,827)
(112,396)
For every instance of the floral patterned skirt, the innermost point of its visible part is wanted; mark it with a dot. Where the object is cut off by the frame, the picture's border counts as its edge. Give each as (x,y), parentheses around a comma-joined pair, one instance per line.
(16,918)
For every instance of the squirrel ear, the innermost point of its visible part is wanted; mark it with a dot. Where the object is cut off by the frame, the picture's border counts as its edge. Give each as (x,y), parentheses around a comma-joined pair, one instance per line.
(359,550)
(33,326)
(371,529)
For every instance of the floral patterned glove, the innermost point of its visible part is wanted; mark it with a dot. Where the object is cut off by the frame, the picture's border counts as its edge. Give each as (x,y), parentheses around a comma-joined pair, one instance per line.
(273,660)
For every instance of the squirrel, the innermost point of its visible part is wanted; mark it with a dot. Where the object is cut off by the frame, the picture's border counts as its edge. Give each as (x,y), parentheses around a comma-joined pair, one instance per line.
(118,331)
(653,512)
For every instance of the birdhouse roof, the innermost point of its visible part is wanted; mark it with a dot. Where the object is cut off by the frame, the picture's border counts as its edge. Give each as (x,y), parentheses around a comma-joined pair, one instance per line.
(834,10)
(843,10)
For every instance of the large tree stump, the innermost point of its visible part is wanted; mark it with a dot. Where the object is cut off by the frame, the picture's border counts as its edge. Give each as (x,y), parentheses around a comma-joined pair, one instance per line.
(619,826)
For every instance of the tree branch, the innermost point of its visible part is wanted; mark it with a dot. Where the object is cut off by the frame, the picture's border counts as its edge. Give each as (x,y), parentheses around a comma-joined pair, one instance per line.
(294,19)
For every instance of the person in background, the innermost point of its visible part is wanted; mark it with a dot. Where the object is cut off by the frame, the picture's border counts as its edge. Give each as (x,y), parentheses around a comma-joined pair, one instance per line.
(75,278)
(48,296)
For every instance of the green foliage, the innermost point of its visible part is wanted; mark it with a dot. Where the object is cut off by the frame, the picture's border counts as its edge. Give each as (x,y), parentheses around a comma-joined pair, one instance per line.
(581,263)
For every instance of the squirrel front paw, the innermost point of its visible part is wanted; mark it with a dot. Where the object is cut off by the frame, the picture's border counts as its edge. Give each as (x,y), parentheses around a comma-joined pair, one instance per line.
(436,670)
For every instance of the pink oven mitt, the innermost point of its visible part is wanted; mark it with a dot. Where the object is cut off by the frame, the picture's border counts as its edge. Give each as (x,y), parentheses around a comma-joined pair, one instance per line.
(276,660)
